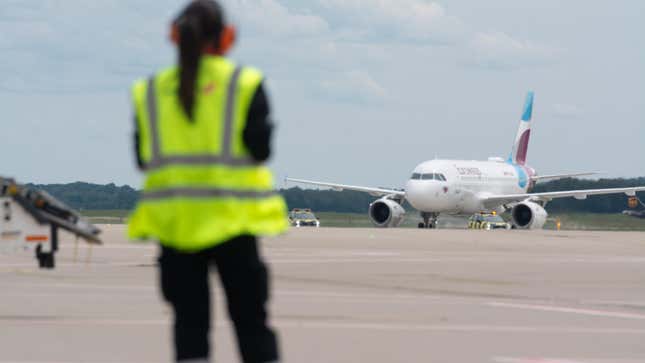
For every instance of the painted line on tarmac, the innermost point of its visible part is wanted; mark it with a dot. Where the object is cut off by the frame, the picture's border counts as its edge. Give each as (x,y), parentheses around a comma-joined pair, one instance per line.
(343,325)
(560,360)
(126,247)
(456,328)
(324,260)
(67,361)
(534,360)
(558,309)
(7,267)
(624,303)
(297,252)
(331,297)
(151,286)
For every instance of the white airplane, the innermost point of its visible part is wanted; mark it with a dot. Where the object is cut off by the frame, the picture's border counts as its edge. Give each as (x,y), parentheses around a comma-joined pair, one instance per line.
(463,187)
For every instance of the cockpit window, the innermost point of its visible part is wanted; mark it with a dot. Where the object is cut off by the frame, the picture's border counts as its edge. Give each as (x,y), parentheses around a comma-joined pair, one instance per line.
(416,176)
(433,176)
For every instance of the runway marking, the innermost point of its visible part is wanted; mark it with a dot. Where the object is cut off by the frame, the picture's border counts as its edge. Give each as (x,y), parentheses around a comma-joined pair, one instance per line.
(331,297)
(560,360)
(351,295)
(455,328)
(558,309)
(368,259)
(534,360)
(67,361)
(303,324)
(639,304)
(115,246)
(86,286)
(599,260)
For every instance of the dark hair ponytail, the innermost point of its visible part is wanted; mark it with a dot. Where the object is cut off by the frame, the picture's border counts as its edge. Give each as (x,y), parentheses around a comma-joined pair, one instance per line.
(189,53)
(198,24)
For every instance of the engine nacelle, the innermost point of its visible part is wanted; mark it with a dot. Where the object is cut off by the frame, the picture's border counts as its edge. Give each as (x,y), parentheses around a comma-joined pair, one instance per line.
(528,215)
(386,213)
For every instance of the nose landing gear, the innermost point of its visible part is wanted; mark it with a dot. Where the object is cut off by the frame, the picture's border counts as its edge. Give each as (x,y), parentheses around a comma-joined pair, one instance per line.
(429,220)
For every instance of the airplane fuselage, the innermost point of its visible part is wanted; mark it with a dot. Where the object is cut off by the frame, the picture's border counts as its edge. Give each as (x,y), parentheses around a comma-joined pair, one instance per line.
(457,186)
(467,187)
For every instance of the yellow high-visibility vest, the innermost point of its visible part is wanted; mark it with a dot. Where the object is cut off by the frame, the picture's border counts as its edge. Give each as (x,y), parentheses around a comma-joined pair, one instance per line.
(201,185)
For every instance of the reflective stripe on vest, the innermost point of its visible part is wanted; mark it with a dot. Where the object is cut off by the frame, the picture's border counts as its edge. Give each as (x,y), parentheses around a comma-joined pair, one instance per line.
(205,193)
(226,158)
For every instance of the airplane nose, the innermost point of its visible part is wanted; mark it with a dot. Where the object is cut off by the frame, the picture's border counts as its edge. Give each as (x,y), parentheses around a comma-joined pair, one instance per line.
(420,194)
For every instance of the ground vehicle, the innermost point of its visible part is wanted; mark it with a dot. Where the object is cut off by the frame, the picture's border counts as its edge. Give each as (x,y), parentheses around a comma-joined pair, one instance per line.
(487,221)
(303,218)
(31,220)
(636,208)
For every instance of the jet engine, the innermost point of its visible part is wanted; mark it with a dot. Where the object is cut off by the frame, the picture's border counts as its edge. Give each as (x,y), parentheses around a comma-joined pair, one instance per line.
(528,215)
(386,213)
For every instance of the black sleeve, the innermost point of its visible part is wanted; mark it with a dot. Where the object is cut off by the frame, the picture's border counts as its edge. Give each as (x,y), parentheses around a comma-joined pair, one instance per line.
(137,143)
(257,133)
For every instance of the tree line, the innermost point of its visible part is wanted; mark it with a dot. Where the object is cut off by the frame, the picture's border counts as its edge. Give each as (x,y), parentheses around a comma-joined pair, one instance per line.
(87,196)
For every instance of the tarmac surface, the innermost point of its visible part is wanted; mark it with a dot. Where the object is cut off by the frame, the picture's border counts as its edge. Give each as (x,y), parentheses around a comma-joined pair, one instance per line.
(353,295)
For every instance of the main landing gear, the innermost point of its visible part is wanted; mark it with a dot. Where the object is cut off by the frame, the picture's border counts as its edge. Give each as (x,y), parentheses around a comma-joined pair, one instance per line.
(429,220)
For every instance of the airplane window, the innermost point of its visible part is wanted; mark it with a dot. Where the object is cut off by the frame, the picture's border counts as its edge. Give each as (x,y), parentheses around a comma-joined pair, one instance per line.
(416,176)
(431,176)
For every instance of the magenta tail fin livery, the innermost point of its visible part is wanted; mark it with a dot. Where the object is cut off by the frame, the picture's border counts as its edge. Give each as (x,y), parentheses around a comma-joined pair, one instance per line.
(521,145)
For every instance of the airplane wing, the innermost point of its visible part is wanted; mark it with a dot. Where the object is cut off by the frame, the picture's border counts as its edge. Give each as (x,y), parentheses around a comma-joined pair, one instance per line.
(561,176)
(339,187)
(492,201)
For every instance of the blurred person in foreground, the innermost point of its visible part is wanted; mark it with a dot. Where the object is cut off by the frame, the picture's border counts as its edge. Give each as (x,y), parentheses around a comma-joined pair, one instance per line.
(202,136)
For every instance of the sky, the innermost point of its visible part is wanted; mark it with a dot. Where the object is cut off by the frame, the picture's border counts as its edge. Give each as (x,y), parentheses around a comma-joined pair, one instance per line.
(361,90)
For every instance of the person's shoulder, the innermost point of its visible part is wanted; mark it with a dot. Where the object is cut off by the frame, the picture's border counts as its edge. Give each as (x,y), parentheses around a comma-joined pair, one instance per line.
(256,76)
(251,76)
(140,85)
(162,73)
(253,71)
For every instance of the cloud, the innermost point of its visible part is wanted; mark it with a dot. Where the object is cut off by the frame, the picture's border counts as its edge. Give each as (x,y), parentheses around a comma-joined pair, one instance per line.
(328,33)
(498,50)
(416,20)
(51,47)
(270,17)
(566,111)
(353,86)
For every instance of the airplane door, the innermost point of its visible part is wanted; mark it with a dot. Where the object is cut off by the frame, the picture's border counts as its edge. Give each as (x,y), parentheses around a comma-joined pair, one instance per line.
(460,199)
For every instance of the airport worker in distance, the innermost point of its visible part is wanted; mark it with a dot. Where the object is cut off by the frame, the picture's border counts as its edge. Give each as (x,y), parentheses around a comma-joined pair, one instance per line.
(202,136)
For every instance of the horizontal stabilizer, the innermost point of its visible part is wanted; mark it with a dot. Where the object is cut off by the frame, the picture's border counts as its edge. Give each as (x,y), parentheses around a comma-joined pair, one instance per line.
(561,176)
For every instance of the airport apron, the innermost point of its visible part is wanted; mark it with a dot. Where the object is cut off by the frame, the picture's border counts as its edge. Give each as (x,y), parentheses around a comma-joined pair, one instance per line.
(201,185)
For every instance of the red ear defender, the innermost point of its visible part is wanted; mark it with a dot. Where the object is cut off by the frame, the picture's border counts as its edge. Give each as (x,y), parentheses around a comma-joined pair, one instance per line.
(174,34)
(226,39)
(224,44)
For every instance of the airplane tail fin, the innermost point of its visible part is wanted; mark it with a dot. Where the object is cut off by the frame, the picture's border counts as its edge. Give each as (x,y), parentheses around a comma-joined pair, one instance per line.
(521,145)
